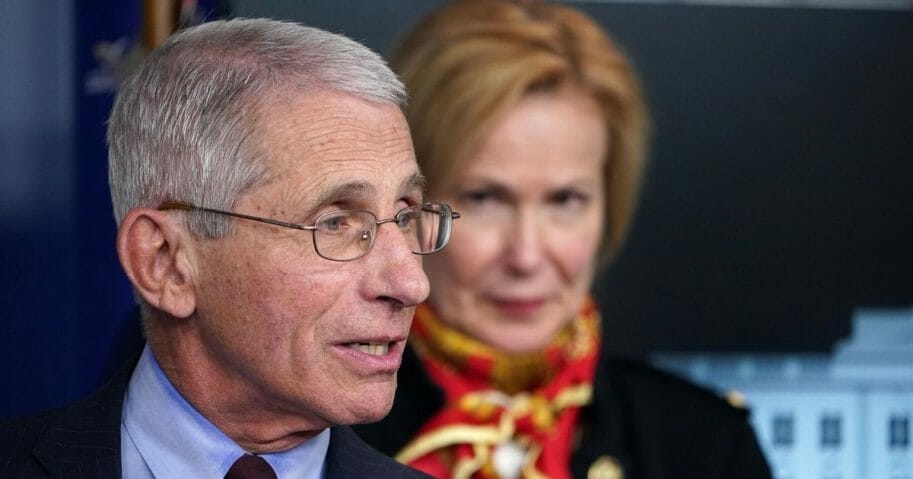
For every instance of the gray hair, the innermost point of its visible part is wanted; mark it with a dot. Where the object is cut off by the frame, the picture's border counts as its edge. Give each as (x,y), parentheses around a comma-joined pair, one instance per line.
(182,125)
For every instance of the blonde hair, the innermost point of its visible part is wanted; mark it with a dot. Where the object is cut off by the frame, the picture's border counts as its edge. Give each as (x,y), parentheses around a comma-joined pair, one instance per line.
(471,60)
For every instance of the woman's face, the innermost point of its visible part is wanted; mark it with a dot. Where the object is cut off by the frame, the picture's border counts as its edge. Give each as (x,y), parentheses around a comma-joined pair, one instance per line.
(523,255)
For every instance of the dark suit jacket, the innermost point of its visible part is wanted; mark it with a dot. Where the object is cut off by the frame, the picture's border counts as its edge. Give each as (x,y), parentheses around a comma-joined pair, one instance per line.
(83,441)
(655,425)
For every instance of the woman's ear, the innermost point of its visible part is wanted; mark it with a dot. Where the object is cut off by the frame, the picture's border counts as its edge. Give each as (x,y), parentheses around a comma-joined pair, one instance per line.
(155,252)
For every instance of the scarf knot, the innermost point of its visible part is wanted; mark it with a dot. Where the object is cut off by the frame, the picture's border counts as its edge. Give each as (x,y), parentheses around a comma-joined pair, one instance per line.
(506,416)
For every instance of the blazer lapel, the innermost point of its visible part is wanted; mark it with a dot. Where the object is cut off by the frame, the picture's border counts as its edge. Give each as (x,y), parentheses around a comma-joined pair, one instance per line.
(344,457)
(83,440)
(348,457)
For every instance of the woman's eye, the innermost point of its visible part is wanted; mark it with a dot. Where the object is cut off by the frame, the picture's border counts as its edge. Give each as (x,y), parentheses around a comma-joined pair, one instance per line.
(477,196)
(484,204)
(568,199)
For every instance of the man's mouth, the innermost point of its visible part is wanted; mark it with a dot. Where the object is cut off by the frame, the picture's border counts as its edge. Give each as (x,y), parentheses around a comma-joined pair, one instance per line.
(374,349)
(378,355)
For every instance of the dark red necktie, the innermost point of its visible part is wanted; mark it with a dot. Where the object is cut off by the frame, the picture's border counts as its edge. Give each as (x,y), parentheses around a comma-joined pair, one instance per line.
(249,466)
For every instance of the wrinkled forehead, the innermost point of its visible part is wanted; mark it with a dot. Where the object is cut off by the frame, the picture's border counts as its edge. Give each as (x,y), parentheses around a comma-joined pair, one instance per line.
(329,145)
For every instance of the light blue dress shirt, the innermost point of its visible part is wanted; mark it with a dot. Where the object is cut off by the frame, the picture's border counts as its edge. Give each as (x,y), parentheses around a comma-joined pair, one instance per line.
(163,436)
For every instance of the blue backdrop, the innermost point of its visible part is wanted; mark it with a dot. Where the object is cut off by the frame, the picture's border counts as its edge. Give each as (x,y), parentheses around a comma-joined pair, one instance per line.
(64,293)
(70,318)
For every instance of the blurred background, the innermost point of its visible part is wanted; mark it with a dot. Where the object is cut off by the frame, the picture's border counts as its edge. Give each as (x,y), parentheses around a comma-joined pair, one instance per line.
(777,206)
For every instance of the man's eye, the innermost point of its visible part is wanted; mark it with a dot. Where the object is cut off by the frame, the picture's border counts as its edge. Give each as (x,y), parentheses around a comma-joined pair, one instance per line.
(334,223)
(405,218)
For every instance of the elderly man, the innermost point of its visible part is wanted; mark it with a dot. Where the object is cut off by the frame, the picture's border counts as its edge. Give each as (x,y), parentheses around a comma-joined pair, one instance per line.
(270,220)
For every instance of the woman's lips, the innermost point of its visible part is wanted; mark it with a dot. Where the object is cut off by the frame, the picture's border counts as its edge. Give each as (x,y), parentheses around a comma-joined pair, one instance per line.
(519,307)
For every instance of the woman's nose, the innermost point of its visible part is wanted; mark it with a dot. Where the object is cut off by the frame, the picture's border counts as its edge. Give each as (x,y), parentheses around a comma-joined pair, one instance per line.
(525,248)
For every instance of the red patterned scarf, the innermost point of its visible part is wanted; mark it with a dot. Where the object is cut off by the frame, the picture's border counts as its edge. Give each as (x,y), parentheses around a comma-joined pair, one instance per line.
(505,416)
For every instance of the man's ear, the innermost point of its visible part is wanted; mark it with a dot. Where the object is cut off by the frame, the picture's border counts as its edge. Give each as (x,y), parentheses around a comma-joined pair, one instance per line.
(156,253)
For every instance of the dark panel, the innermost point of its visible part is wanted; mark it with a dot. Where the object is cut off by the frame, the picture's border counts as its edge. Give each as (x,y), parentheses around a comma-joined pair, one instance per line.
(778,194)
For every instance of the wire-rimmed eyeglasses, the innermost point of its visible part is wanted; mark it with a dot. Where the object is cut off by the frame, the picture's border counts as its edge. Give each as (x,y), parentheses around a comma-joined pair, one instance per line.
(349,234)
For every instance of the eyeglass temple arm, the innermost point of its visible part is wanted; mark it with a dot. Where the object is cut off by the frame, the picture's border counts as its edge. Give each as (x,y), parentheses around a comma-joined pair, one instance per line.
(431,207)
(184,206)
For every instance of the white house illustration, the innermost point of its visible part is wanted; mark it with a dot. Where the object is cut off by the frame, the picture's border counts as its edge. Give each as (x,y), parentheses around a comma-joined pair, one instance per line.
(819,416)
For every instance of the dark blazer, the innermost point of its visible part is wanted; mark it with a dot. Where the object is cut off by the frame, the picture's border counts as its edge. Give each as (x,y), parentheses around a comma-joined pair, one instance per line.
(651,423)
(83,441)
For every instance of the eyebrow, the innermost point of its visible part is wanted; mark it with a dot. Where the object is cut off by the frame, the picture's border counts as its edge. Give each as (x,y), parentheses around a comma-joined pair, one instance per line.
(346,191)
(362,190)
(414,182)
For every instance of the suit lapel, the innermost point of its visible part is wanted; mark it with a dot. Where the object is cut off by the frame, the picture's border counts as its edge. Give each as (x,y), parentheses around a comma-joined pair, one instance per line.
(348,457)
(83,440)
(344,447)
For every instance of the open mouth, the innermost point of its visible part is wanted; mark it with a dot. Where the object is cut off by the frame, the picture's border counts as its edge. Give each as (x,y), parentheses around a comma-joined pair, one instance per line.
(374,355)
(374,349)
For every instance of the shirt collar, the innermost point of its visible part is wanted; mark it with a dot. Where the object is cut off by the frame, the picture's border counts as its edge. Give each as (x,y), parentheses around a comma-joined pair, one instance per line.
(175,440)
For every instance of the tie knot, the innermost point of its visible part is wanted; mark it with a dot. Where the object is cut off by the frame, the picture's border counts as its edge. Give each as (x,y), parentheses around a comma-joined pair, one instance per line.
(249,466)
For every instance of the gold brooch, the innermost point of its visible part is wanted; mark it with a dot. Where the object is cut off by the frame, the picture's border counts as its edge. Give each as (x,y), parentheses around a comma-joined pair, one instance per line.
(606,467)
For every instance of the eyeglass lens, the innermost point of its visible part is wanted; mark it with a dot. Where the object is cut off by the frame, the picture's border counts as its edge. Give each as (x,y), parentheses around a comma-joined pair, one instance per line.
(348,235)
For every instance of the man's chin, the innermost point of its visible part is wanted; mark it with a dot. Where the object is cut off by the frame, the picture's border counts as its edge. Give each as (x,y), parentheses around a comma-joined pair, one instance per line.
(372,406)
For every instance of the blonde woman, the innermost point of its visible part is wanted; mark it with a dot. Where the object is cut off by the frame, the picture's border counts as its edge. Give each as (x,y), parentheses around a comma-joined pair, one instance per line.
(530,121)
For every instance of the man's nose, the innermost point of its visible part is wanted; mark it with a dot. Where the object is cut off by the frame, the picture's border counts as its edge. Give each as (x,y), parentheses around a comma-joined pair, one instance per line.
(397,271)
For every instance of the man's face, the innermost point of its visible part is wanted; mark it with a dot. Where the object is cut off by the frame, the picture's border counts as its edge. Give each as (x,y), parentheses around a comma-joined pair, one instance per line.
(282,324)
